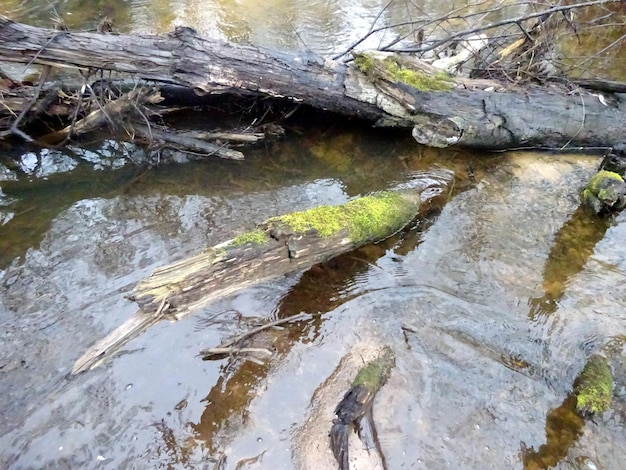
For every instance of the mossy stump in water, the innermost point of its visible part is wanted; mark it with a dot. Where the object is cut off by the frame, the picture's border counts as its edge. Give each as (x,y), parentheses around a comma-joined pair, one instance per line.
(594,386)
(357,404)
(605,193)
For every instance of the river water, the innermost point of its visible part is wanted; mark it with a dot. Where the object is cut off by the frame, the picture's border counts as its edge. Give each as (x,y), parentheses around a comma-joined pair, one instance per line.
(491,302)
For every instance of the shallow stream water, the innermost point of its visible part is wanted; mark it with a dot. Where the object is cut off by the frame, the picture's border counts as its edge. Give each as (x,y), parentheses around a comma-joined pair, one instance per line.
(491,303)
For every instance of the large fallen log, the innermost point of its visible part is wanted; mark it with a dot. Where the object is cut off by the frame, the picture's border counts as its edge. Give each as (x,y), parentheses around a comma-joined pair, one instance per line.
(392,90)
(278,246)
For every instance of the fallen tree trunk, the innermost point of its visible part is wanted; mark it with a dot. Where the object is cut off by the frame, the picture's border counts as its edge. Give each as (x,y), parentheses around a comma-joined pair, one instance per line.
(278,246)
(388,90)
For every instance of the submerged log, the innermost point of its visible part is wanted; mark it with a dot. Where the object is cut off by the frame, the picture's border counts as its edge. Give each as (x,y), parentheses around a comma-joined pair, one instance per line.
(391,90)
(278,246)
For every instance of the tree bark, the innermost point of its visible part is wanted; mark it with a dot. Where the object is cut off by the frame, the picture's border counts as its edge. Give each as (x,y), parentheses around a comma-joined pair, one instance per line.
(470,113)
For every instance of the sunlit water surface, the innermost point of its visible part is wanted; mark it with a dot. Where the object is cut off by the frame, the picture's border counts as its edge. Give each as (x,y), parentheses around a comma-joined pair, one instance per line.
(491,304)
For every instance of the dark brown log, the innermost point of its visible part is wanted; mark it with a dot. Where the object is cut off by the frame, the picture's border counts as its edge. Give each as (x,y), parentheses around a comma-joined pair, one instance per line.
(276,247)
(493,118)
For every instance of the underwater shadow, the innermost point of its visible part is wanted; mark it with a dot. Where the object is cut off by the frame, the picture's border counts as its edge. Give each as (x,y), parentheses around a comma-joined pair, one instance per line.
(573,245)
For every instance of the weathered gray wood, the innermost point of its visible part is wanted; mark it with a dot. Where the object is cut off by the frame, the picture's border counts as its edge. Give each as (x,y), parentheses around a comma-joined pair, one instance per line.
(184,58)
(276,247)
(189,143)
(495,118)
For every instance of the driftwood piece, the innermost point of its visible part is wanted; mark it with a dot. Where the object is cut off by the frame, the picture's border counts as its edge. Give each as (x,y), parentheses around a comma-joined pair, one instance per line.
(232,347)
(184,142)
(246,138)
(493,118)
(276,247)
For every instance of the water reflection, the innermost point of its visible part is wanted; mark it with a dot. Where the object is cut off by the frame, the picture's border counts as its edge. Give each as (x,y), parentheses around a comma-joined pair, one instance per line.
(461,283)
(44,189)
(34,194)
(573,246)
(563,428)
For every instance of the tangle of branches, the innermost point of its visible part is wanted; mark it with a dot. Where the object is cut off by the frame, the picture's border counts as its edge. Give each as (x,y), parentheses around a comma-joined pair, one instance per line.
(525,40)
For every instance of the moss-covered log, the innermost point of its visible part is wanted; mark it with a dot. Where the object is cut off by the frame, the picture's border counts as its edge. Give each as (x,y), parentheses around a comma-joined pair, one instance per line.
(278,246)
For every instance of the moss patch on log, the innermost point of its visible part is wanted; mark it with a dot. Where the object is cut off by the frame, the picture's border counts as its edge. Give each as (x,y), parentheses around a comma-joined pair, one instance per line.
(374,374)
(422,81)
(390,69)
(594,386)
(364,63)
(253,237)
(368,218)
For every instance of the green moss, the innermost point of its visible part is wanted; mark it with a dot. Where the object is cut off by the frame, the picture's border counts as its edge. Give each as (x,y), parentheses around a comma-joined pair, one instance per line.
(367,218)
(594,386)
(364,63)
(255,237)
(587,194)
(602,183)
(375,373)
(423,82)
(390,69)
(443,75)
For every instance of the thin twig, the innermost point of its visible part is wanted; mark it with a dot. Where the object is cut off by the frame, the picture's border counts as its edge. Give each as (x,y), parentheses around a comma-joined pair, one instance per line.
(207,353)
(15,125)
(424,21)
(282,321)
(163,307)
(506,22)
(369,33)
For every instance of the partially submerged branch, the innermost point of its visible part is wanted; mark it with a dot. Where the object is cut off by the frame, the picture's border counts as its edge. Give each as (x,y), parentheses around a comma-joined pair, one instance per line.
(233,346)
(276,247)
